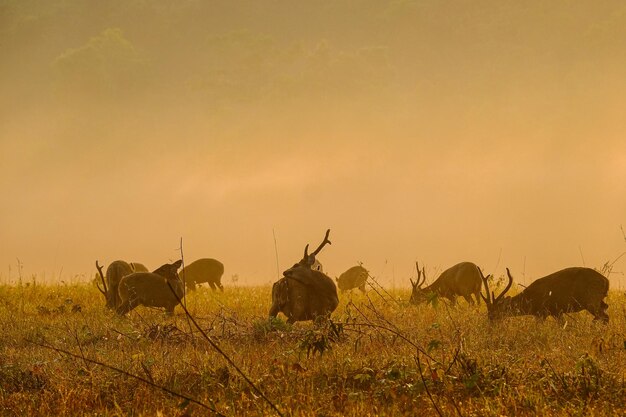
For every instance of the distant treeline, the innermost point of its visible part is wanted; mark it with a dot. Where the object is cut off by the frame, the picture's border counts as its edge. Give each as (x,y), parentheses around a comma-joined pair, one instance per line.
(221,53)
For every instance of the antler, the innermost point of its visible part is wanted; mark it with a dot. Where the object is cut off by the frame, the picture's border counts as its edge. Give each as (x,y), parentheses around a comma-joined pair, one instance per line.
(491,299)
(508,286)
(103,281)
(319,248)
(420,274)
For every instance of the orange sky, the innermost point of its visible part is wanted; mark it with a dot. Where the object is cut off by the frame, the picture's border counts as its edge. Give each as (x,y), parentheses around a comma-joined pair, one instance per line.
(494,136)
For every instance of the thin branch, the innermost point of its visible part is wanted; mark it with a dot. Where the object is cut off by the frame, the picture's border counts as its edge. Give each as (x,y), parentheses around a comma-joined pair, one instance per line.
(276,252)
(221,352)
(390,330)
(123,372)
(432,400)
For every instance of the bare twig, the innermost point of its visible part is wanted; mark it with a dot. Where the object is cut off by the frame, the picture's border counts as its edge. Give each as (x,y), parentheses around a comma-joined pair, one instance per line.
(276,252)
(395,331)
(228,359)
(382,288)
(580,249)
(432,400)
(123,372)
(182,258)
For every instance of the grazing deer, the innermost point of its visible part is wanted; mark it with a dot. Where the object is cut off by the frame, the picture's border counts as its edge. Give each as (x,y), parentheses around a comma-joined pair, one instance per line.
(566,291)
(462,279)
(355,277)
(115,272)
(161,288)
(203,270)
(303,293)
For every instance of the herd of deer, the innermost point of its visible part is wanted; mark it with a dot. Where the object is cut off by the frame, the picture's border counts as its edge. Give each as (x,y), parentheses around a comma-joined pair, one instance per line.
(305,292)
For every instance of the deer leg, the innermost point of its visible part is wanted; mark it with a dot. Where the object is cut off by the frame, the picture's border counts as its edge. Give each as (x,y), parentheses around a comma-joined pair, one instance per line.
(362,288)
(124,308)
(274,310)
(452,299)
(212,285)
(469,299)
(220,286)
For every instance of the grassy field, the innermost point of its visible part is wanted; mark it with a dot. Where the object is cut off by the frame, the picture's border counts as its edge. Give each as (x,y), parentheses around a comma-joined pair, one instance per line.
(379,356)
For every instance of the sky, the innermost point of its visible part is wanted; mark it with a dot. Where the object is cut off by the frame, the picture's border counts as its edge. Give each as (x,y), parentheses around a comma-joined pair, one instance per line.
(441,132)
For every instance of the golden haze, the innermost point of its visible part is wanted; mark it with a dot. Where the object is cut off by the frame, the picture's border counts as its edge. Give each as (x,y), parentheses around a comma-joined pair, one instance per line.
(488,131)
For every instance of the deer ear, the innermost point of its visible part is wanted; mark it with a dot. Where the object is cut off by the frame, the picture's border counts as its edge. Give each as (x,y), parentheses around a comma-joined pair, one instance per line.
(178,263)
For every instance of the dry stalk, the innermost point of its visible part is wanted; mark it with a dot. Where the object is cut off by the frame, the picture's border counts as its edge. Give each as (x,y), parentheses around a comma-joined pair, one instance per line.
(228,359)
(123,372)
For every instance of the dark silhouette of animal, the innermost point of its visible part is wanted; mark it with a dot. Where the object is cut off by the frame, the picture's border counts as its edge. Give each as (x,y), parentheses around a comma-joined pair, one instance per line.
(303,293)
(355,277)
(566,291)
(115,272)
(203,270)
(462,279)
(161,288)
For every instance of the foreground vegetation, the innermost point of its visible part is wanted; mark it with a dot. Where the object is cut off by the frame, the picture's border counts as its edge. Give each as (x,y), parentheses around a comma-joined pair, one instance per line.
(379,356)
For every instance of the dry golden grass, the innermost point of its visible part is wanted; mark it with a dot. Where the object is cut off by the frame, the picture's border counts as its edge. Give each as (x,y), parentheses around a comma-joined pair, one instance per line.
(368,363)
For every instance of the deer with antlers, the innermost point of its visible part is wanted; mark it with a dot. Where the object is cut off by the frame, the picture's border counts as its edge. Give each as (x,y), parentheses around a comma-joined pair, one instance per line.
(462,279)
(569,290)
(303,293)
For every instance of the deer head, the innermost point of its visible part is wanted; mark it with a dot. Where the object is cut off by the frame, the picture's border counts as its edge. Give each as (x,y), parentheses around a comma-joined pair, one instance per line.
(169,271)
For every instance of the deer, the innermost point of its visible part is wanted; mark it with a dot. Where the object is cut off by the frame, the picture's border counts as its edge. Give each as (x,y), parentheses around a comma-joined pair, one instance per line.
(161,288)
(462,279)
(355,277)
(569,290)
(115,272)
(203,270)
(303,293)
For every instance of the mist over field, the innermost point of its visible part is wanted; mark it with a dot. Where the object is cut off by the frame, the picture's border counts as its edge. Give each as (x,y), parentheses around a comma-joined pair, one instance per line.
(438,131)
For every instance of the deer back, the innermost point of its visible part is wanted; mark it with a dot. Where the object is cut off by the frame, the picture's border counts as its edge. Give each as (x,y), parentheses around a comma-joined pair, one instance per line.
(567,290)
(352,278)
(304,294)
(462,279)
(203,270)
